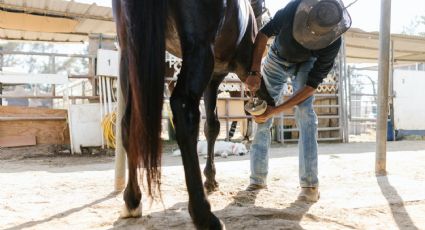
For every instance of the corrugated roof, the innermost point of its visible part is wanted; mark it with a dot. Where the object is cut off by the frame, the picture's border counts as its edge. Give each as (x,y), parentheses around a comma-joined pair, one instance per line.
(92,19)
(364,47)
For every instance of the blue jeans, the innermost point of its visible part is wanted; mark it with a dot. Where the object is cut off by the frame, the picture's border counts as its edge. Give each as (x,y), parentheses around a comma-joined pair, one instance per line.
(276,72)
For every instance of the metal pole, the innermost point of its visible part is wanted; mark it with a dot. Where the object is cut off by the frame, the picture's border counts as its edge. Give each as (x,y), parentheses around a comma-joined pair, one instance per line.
(345,90)
(101,102)
(341,110)
(119,148)
(383,86)
(391,91)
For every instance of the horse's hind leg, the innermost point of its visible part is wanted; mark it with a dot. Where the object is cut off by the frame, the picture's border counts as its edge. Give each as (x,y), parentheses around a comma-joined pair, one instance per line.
(211,130)
(132,194)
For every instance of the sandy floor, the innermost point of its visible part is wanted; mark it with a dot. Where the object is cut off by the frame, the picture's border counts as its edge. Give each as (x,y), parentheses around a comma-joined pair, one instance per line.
(76,192)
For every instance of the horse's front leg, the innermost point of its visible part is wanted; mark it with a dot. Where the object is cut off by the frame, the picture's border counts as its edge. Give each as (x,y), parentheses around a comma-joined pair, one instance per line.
(198,22)
(211,130)
(194,76)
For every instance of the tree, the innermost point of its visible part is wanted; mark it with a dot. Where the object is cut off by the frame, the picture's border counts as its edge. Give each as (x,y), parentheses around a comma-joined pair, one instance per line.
(37,64)
(42,64)
(416,26)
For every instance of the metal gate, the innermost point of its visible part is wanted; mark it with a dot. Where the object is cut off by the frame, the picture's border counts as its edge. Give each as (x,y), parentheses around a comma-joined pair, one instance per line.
(362,91)
(330,106)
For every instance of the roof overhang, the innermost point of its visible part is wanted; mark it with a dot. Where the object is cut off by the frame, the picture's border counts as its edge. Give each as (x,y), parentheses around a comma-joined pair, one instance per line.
(363,47)
(70,21)
(53,20)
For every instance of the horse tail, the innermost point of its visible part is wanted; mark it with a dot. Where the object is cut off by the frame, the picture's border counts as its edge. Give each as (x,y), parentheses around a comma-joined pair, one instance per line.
(145,41)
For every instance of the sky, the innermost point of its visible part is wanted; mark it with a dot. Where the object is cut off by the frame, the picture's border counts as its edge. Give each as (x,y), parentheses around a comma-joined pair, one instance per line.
(364,13)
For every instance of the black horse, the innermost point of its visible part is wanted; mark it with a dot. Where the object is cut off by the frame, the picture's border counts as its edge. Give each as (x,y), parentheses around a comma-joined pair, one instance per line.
(213,38)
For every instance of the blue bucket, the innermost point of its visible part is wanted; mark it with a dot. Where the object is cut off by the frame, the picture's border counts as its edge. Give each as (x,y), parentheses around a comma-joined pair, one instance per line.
(390,130)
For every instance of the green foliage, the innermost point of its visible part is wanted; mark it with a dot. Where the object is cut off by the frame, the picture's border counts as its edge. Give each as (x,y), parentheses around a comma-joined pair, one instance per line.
(416,26)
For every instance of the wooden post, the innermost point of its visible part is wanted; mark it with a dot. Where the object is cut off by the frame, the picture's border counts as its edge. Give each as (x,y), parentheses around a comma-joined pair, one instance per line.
(383,86)
(120,158)
(93,47)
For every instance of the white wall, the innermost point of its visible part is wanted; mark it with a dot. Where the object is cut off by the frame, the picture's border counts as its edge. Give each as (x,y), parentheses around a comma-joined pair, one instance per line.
(409,101)
(85,126)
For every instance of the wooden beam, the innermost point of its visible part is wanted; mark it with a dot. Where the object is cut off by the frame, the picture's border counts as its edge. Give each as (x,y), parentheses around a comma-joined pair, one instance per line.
(53,13)
(17,141)
(49,126)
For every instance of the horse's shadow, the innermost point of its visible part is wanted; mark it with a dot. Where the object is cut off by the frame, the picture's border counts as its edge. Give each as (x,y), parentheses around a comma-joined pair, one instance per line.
(241,213)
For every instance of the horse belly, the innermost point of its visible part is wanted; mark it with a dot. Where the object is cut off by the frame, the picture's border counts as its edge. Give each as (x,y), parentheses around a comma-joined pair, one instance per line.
(172,40)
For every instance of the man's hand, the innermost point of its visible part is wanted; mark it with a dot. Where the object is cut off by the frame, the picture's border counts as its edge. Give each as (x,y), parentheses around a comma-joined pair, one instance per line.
(253,82)
(270,111)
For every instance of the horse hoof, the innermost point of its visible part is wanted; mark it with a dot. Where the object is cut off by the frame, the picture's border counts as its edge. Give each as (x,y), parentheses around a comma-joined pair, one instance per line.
(126,213)
(211,187)
(217,224)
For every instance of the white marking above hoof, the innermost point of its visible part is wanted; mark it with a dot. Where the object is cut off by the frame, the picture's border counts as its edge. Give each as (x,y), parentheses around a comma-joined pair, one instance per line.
(223,226)
(125,213)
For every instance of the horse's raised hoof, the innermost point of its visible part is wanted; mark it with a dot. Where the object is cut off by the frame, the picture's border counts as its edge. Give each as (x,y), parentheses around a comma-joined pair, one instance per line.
(126,213)
(211,187)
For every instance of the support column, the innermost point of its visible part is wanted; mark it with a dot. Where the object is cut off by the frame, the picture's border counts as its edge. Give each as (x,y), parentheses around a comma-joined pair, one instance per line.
(383,86)
(93,47)
(120,154)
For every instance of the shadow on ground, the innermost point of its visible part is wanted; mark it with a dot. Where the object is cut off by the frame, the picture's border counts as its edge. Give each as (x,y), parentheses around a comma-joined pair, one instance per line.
(63,214)
(242,213)
(396,203)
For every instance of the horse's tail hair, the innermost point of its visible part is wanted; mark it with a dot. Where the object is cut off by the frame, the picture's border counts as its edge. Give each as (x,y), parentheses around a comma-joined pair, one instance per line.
(145,41)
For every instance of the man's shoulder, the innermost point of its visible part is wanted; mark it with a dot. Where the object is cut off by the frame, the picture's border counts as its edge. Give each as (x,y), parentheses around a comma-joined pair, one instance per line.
(337,43)
(293,4)
(288,10)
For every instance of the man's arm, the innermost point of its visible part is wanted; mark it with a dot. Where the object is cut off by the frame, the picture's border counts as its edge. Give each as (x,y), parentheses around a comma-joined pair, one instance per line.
(300,96)
(272,28)
(322,66)
(253,82)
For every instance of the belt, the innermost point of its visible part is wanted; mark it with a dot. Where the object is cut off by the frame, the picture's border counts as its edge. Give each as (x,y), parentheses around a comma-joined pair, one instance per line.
(285,60)
(287,64)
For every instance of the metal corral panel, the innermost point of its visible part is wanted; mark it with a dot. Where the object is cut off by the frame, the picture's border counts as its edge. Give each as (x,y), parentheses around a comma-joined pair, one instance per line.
(16,78)
(409,108)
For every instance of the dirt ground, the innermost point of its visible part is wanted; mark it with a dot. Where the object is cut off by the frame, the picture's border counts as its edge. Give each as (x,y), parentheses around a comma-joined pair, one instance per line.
(51,192)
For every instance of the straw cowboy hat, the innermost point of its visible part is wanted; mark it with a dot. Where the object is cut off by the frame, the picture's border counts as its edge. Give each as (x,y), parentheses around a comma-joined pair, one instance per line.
(318,23)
